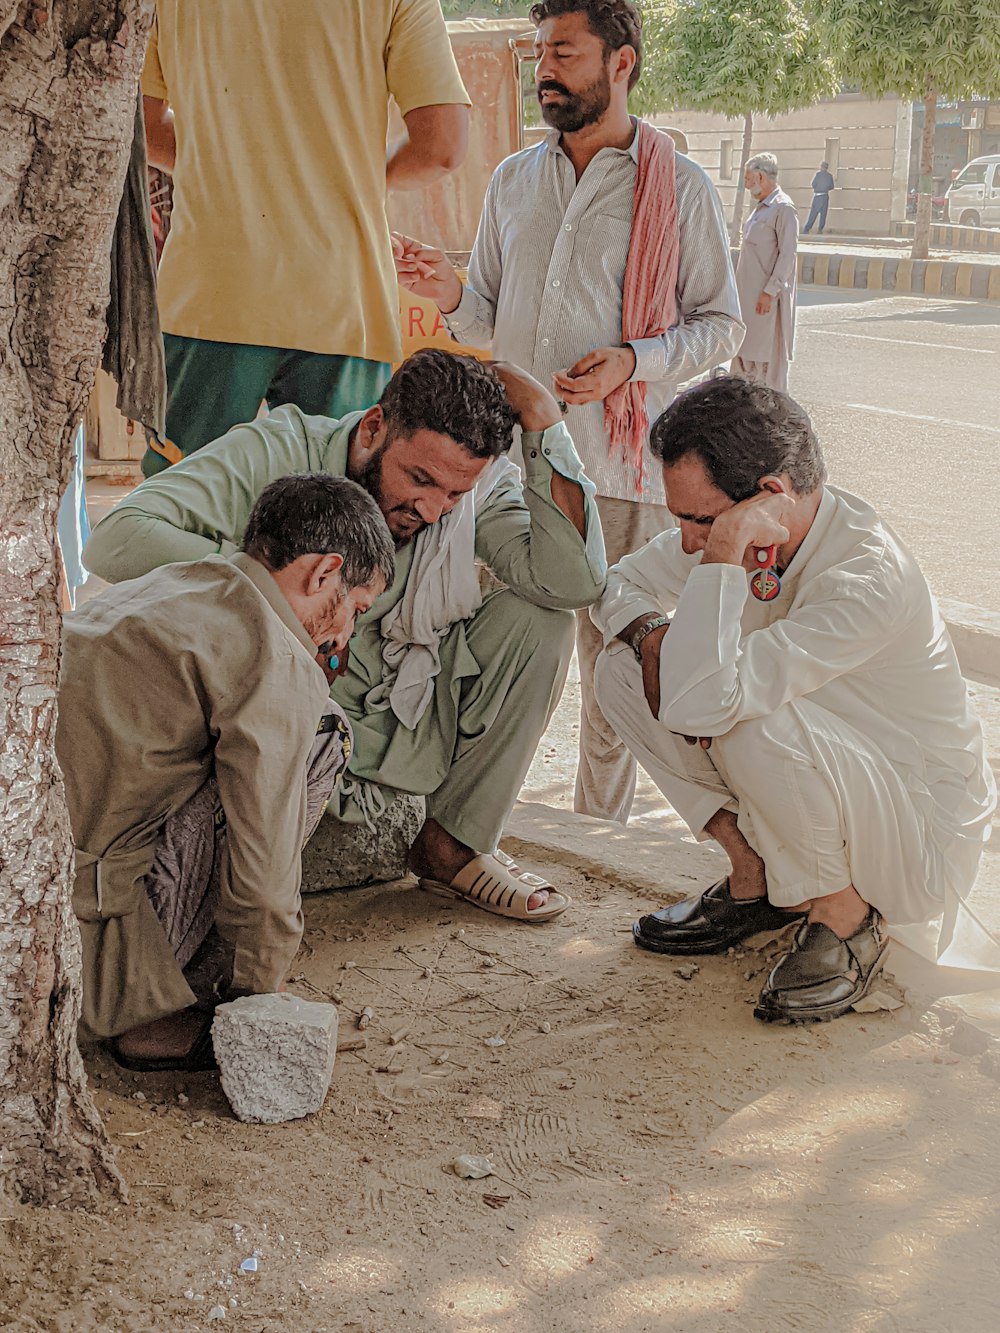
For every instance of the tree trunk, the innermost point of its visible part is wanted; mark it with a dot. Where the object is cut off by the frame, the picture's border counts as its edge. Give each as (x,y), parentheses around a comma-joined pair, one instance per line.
(68,80)
(922,226)
(736,227)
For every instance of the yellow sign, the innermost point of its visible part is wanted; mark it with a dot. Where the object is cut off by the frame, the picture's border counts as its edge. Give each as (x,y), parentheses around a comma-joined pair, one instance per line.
(421,325)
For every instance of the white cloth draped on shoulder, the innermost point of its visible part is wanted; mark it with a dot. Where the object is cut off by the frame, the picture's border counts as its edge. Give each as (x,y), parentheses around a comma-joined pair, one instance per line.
(442,588)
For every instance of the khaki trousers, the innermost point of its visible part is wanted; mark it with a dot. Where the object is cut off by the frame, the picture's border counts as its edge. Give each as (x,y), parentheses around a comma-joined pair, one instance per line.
(501,677)
(184,882)
(606,771)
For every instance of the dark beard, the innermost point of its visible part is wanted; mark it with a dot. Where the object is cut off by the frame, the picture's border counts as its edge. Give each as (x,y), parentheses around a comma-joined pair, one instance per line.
(370,478)
(579,109)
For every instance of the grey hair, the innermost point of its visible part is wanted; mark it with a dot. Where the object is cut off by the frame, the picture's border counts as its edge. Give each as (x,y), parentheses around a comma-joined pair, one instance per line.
(312,513)
(765,163)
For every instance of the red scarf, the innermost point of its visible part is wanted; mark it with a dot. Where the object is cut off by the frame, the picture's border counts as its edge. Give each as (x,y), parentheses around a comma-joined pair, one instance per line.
(649,301)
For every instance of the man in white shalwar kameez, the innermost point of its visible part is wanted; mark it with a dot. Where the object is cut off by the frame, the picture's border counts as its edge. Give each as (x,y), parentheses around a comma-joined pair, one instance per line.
(765,277)
(824,737)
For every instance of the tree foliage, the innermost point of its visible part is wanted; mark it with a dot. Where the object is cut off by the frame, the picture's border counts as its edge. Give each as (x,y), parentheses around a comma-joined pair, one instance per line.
(906,46)
(651,96)
(744,56)
(917,49)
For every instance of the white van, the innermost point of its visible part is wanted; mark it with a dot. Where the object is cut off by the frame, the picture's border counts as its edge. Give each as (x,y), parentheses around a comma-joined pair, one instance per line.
(974,194)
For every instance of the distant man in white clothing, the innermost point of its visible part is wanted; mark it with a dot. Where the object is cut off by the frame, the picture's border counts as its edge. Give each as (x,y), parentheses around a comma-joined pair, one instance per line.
(765,276)
(545,290)
(822,735)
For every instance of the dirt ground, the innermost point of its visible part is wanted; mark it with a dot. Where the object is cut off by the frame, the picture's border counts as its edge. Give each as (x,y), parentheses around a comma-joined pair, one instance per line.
(663,1161)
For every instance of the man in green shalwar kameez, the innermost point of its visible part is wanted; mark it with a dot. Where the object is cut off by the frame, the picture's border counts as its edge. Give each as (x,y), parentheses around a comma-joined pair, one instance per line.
(448,691)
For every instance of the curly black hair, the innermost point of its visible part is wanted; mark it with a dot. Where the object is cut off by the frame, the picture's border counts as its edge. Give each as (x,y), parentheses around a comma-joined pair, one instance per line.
(741,431)
(618,23)
(452,395)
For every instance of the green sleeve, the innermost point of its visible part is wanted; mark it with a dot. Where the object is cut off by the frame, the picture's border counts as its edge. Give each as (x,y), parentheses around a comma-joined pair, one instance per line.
(529,543)
(200,506)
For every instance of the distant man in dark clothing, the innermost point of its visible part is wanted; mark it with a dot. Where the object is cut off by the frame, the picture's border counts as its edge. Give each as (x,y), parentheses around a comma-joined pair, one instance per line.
(822,185)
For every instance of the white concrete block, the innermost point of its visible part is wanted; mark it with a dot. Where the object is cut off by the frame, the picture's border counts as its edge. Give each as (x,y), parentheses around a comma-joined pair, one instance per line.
(276,1055)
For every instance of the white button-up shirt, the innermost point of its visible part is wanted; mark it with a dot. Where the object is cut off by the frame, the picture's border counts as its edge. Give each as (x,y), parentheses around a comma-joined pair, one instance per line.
(546,279)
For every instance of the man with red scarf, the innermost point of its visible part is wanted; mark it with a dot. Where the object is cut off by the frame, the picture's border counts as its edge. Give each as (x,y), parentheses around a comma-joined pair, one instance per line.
(602,265)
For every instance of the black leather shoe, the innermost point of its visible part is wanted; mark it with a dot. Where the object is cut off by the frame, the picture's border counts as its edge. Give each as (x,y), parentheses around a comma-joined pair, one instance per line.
(709,923)
(823,975)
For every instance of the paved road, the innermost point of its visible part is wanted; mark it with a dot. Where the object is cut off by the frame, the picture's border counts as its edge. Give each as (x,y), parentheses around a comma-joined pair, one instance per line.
(905,392)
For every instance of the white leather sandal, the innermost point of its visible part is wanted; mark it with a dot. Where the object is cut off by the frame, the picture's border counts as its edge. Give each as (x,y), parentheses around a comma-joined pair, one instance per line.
(497,884)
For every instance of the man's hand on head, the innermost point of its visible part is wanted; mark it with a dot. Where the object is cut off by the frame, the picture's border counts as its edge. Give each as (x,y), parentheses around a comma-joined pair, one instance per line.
(426,271)
(535,407)
(753,523)
(595,375)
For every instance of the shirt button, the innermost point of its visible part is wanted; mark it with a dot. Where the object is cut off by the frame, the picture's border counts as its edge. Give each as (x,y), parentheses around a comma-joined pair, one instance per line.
(569,226)
(555,282)
(534,453)
(545,342)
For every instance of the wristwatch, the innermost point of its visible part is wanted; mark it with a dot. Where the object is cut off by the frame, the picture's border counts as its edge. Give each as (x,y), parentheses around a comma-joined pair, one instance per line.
(635,642)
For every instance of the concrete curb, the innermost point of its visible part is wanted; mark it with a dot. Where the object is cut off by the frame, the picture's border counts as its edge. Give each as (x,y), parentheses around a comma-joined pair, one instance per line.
(950,236)
(892,273)
(975,632)
(895,273)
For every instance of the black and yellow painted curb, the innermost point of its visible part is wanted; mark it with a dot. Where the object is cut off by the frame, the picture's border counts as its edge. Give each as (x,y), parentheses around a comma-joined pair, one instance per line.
(891,273)
(918,277)
(949,236)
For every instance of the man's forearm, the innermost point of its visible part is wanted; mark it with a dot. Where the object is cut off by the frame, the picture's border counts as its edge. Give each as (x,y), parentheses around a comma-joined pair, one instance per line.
(644,636)
(568,497)
(436,142)
(410,166)
(161,143)
(130,543)
(628,634)
(545,543)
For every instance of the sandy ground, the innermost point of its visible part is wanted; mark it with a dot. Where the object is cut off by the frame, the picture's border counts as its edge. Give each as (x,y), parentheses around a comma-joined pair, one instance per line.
(663,1161)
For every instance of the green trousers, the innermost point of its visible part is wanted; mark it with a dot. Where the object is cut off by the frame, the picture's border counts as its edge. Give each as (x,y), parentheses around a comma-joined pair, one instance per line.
(502,673)
(212,387)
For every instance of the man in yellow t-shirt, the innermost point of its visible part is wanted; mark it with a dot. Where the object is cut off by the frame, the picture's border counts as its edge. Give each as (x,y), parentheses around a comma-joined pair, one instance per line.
(277,281)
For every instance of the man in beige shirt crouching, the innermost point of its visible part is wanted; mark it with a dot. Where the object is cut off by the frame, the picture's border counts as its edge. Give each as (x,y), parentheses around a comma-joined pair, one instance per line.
(199,747)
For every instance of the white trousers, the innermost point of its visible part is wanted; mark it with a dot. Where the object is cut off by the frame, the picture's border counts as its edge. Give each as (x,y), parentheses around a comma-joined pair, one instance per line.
(818,803)
(605,774)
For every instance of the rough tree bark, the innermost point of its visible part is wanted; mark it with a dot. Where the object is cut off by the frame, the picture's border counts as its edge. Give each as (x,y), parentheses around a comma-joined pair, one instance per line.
(922,226)
(68,75)
(736,226)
